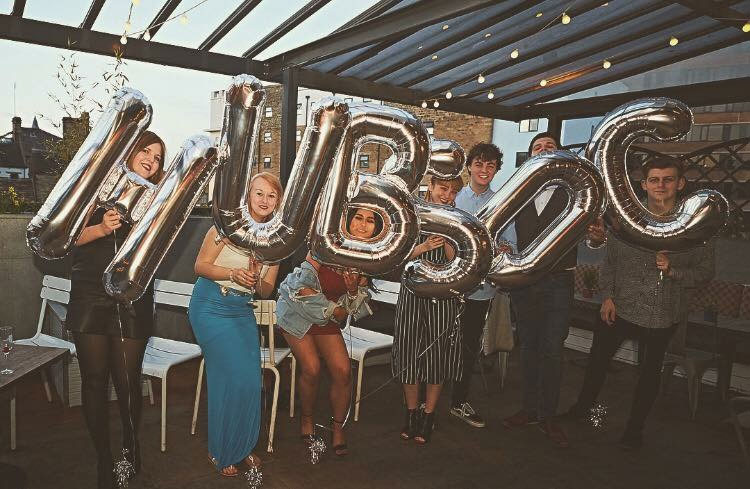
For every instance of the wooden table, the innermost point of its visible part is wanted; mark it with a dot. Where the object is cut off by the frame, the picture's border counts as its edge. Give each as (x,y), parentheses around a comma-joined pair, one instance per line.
(25,360)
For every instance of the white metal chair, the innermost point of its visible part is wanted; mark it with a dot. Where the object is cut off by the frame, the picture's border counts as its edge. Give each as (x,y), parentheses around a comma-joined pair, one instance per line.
(55,294)
(162,353)
(360,342)
(271,357)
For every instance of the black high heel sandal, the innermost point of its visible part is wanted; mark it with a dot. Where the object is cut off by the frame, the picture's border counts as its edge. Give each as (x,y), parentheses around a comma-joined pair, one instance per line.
(426,426)
(341,449)
(411,423)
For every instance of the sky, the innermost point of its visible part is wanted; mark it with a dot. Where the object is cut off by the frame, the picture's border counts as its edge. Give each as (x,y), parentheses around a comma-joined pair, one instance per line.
(179,97)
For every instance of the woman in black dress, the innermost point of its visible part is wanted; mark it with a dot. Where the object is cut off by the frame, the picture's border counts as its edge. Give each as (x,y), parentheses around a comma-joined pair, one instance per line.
(111,337)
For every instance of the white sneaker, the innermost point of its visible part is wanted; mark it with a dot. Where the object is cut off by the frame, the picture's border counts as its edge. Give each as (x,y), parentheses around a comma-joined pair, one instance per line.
(466,413)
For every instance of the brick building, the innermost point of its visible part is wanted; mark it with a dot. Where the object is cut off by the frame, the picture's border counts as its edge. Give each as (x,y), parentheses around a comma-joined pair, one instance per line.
(467,130)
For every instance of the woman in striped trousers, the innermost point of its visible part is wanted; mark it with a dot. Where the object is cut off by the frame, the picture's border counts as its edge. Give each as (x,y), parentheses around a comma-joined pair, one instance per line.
(427,339)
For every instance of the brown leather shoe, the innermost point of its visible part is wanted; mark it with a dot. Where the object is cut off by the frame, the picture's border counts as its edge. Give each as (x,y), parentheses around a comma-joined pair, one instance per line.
(521,418)
(554,433)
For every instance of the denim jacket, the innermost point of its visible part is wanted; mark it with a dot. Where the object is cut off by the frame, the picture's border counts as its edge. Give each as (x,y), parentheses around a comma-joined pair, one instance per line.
(296,314)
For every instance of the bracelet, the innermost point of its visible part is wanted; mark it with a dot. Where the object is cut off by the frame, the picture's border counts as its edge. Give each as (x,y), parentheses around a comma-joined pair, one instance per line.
(231,275)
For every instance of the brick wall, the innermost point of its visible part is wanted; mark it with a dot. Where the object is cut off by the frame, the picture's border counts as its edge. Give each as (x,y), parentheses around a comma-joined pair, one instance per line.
(467,130)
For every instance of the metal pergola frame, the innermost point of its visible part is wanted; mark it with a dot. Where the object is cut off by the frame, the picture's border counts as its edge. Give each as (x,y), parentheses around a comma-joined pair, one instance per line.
(364,57)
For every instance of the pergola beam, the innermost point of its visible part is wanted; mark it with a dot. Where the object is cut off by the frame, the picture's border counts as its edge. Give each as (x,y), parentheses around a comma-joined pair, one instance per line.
(720,13)
(164,13)
(67,37)
(290,89)
(228,24)
(379,8)
(385,27)
(280,31)
(695,95)
(18,7)
(389,93)
(92,14)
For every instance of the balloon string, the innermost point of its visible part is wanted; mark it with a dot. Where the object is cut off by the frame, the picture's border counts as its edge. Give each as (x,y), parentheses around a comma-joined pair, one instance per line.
(127,381)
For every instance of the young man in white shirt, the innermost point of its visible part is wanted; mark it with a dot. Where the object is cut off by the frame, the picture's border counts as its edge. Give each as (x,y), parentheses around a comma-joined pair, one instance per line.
(482,163)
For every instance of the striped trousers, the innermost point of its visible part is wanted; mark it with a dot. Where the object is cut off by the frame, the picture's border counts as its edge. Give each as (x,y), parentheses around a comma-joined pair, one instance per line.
(427,339)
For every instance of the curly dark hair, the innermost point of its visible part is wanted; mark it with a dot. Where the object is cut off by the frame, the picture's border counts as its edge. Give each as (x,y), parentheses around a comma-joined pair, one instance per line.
(485,152)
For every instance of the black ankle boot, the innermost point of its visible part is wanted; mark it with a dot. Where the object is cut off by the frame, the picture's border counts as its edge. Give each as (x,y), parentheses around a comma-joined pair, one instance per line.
(411,423)
(426,425)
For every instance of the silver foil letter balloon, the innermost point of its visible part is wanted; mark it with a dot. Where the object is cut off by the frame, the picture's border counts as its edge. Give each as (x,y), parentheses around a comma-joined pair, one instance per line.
(387,194)
(134,265)
(447,159)
(582,182)
(278,238)
(127,193)
(696,218)
(58,223)
(473,253)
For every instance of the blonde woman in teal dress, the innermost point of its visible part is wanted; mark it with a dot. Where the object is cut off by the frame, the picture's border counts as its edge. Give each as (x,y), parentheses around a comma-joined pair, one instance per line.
(224,325)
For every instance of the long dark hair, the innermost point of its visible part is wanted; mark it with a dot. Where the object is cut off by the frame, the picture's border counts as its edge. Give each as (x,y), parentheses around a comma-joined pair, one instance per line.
(147,139)
(378,219)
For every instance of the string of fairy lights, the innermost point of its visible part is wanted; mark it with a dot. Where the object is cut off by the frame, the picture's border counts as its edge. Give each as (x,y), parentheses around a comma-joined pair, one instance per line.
(181,16)
(564,18)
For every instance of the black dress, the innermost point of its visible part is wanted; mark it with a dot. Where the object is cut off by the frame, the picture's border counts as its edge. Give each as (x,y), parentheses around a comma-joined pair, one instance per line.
(91,309)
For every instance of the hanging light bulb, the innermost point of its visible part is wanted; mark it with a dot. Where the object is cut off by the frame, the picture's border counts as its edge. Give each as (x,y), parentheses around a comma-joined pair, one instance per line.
(607,64)
(448,94)
(514,54)
(123,39)
(565,18)
(543,82)
(480,79)
(424,104)
(147,35)
(434,57)
(184,19)
(539,14)
(673,41)
(436,104)
(746,27)
(490,95)
(136,2)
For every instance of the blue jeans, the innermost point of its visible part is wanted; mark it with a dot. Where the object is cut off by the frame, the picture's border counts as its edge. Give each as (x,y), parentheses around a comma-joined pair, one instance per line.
(543,315)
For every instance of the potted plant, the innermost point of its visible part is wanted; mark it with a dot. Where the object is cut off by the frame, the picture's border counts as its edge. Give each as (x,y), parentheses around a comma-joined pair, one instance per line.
(590,277)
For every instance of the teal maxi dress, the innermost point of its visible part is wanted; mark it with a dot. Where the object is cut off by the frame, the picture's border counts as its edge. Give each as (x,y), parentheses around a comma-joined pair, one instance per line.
(225,328)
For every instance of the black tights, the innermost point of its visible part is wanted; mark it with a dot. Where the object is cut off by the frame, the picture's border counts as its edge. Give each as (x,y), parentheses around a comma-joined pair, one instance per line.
(100,356)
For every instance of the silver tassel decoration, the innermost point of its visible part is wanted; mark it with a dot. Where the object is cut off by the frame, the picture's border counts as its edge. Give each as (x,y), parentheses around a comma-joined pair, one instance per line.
(123,470)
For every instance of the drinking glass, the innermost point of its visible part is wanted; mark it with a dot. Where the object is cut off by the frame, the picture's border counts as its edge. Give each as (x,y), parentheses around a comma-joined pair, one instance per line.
(6,345)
